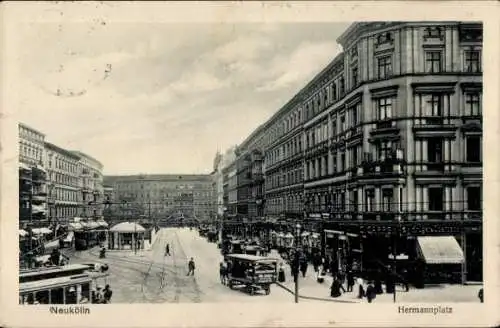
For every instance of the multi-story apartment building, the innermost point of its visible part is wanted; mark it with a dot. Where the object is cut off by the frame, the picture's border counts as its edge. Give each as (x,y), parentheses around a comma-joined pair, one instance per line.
(64,194)
(218,183)
(91,185)
(231,174)
(385,143)
(32,176)
(161,196)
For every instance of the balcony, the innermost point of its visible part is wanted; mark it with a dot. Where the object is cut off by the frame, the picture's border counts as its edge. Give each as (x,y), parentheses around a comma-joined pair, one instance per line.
(434,126)
(387,171)
(385,130)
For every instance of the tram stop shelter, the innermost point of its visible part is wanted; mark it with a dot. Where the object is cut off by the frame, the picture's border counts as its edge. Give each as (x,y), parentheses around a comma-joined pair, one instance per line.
(124,235)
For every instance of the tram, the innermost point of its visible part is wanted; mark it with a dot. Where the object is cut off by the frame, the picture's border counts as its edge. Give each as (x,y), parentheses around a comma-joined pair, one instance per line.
(69,284)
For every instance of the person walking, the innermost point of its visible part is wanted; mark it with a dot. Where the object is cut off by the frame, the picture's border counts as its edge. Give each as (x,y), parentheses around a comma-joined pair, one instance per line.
(107,293)
(167,250)
(281,273)
(222,273)
(480,295)
(191,267)
(371,292)
(336,287)
(361,288)
(350,281)
(303,267)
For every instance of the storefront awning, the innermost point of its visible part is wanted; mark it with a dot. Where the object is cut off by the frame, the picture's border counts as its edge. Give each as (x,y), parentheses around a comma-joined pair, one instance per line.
(24,167)
(440,250)
(23,233)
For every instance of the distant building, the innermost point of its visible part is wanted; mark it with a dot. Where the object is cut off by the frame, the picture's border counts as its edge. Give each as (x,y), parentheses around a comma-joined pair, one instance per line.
(164,195)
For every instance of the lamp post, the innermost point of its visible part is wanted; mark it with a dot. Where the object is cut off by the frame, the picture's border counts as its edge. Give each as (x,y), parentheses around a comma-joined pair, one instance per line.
(296,261)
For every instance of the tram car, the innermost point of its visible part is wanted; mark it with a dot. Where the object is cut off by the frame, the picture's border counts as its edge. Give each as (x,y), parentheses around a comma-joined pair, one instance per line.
(68,284)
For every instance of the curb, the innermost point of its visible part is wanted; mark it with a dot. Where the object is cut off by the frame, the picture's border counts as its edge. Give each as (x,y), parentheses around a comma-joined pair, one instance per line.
(312,297)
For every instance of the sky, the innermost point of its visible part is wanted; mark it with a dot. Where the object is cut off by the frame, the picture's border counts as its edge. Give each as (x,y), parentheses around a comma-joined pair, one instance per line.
(163,98)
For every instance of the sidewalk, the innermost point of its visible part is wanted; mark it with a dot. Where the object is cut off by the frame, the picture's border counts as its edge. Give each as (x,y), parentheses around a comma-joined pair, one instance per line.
(309,288)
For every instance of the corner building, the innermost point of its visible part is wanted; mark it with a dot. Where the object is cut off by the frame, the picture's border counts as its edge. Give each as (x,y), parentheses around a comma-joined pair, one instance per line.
(393,142)
(384,146)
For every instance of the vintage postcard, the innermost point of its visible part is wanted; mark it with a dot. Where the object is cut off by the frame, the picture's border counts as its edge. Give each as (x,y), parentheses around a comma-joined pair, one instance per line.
(249,164)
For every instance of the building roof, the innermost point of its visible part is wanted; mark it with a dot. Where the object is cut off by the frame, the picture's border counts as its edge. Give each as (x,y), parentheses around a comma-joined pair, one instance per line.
(79,153)
(30,128)
(109,179)
(127,227)
(62,151)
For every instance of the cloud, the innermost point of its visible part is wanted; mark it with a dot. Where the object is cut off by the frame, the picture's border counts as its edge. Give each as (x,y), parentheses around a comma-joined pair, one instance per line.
(306,61)
(162,97)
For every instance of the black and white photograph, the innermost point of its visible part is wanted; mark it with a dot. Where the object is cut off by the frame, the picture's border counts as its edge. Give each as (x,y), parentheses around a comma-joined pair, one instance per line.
(327,163)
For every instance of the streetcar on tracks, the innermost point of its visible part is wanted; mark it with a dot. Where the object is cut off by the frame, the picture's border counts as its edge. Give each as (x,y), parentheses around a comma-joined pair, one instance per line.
(68,284)
(253,273)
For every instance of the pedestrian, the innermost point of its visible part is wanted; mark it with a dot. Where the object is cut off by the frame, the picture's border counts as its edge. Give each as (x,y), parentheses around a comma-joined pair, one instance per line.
(222,273)
(191,267)
(350,281)
(404,277)
(321,275)
(281,273)
(371,292)
(303,267)
(336,287)
(361,288)
(481,295)
(167,250)
(107,293)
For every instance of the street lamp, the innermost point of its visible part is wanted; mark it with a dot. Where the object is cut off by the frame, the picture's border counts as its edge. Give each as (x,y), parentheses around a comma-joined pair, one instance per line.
(296,262)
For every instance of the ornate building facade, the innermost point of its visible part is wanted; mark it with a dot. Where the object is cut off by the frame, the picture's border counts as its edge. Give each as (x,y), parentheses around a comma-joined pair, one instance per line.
(64,193)
(32,176)
(384,144)
(91,185)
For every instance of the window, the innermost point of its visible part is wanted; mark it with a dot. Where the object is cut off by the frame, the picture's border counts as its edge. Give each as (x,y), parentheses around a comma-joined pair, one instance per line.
(384,67)
(342,123)
(472,61)
(355,77)
(342,162)
(433,61)
(369,200)
(474,198)
(472,104)
(473,144)
(334,128)
(436,199)
(334,91)
(387,200)
(342,86)
(354,117)
(384,106)
(435,150)
(436,109)
(384,151)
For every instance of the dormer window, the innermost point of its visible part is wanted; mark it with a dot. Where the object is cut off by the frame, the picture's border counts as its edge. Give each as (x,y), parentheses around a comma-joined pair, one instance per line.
(384,38)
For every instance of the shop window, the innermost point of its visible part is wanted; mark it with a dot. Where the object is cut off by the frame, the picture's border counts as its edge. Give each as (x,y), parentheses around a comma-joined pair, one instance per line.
(433,61)
(473,144)
(435,200)
(57,296)
(474,198)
